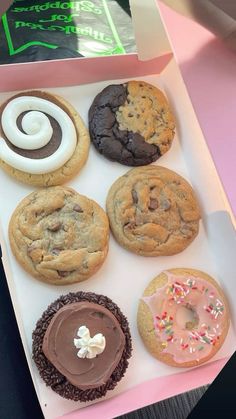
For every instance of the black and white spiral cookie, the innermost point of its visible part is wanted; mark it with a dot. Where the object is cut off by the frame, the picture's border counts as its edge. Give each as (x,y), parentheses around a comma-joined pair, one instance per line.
(43,140)
(131,123)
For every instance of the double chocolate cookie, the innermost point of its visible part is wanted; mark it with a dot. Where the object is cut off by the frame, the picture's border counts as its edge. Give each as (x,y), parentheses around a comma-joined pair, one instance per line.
(43,140)
(81,346)
(153,211)
(131,123)
(59,236)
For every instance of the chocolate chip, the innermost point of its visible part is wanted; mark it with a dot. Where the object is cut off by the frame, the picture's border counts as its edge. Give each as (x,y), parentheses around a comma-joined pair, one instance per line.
(63,274)
(55,226)
(130,115)
(55,251)
(134,196)
(153,204)
(130,225)
(77,208)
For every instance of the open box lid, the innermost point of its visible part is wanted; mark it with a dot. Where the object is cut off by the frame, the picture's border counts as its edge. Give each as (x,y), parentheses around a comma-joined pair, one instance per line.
(150,33)
(154,52)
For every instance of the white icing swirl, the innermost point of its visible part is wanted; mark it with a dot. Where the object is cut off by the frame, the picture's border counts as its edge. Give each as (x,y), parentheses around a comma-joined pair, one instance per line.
(38,132)
(89,347)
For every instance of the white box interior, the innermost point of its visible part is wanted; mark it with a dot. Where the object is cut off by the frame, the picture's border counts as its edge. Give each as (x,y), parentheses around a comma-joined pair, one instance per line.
(124,275)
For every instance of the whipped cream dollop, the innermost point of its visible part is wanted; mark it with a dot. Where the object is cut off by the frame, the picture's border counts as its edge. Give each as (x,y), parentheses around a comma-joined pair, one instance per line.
(58,343)
(37,133)
(89,347)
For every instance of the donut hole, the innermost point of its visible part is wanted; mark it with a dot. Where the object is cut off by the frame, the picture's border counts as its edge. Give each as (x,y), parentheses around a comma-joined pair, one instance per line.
(186,317)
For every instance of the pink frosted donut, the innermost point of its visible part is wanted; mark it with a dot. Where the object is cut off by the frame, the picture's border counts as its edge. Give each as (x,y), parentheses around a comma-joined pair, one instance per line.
(183,317)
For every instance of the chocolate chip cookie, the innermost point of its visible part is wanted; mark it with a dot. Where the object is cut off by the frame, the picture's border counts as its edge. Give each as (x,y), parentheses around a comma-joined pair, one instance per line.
(43,140)
(131,123)
(59,236)
(153,211)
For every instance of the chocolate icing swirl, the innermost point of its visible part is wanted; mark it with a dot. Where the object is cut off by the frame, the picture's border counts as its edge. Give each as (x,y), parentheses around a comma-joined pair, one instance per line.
(38,132)
(59,349)
(44,151)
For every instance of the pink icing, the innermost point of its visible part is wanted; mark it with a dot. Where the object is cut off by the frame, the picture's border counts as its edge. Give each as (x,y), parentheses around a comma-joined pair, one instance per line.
(208,315)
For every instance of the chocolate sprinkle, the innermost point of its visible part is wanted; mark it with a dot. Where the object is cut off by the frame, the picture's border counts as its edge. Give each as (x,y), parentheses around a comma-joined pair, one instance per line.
(51,376)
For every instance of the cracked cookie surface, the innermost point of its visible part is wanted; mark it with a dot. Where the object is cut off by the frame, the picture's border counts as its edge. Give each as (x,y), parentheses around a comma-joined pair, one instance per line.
(131,123)
(153,211)
(74,163)
(59,236)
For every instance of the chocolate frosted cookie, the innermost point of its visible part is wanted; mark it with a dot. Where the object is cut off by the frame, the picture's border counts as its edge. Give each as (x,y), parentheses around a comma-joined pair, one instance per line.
(131,123)
(43,140)
(153,211)
(81,346)
(59,236)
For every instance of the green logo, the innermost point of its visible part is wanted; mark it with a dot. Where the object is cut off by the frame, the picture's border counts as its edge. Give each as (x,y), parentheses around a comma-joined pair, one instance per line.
(45,17)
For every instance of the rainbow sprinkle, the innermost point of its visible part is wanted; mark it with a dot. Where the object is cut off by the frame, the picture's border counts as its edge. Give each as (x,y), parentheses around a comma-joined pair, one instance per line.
(200,336)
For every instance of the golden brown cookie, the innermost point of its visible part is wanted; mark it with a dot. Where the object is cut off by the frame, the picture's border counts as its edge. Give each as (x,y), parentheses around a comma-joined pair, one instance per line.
(59,236)
(183,317)
(153,211)
(29,158)
(131,123)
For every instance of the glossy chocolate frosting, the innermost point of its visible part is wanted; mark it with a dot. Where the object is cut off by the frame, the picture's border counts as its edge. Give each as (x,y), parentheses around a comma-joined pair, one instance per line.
(58,344)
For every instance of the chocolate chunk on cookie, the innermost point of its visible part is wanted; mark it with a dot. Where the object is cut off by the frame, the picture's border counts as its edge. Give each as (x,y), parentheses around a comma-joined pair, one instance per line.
(131,123)
(153,211)
(59,236)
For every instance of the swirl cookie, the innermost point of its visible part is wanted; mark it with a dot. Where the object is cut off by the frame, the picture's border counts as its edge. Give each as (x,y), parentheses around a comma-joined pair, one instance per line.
(59,236)
(153,211)
(183,317)
(131,123)
(43,140)
(81,346)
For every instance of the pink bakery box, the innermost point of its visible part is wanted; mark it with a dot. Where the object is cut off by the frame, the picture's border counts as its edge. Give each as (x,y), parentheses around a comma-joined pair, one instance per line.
(146,381)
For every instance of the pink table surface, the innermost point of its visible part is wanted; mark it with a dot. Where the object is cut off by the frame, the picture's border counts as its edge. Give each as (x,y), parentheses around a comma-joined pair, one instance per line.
(209,72)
